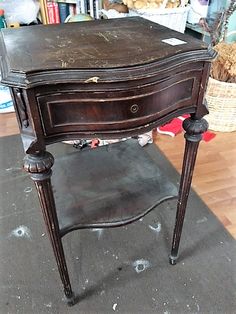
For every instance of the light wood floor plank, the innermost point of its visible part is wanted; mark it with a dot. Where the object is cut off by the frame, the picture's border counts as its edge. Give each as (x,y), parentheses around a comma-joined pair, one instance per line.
(215,172)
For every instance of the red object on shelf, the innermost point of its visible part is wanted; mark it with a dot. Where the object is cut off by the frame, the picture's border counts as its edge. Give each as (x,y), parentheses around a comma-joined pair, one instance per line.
(53,13)
(174,127)
(208,136)
(56,13)
(95,143)
(50,12)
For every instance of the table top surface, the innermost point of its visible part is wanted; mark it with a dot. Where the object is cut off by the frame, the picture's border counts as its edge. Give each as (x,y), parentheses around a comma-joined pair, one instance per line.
(96,44)
(105,78)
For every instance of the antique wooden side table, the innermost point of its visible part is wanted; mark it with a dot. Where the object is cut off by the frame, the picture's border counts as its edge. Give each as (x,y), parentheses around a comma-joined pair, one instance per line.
(106,79)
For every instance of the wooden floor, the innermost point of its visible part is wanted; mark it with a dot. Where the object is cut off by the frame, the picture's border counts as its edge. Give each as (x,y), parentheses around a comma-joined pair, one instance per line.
(215,172)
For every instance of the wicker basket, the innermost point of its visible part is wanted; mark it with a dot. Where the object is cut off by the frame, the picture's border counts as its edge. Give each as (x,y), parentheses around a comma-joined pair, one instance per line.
(221,99)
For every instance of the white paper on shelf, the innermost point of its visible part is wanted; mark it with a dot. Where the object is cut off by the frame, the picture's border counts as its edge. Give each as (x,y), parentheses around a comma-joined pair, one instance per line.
(174,41)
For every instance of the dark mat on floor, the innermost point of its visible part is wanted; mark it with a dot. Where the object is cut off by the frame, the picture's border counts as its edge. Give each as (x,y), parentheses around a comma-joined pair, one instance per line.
(122,270)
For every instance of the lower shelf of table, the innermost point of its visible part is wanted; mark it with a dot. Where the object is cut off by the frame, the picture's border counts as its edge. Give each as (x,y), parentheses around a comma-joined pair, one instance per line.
(107,186)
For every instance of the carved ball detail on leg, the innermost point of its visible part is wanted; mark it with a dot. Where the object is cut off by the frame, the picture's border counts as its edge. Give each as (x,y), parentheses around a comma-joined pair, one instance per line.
(38,163)
(194,129)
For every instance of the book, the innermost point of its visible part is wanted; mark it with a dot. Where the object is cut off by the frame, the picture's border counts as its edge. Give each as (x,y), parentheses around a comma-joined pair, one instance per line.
(50,11)
(91,8)
(56,12)
(97,9)
(78,7)
(72,9)
(83,7)
(43,11)
(64,11)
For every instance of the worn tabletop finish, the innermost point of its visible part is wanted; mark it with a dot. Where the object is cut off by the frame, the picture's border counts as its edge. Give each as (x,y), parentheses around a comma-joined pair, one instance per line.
(101,45)
(103,79)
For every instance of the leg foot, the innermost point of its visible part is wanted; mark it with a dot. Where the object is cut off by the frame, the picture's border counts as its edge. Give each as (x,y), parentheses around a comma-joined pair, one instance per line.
(172,259)
(70,299)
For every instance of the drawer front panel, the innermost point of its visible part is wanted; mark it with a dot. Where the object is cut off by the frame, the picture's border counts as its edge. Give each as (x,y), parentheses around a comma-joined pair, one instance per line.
(73,111)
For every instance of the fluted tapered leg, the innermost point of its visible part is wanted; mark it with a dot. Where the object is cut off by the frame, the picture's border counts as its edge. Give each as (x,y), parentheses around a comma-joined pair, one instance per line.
(194,129)
(39,167)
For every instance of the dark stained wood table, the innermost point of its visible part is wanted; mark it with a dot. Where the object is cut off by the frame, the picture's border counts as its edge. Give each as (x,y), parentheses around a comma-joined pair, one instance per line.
(106,79)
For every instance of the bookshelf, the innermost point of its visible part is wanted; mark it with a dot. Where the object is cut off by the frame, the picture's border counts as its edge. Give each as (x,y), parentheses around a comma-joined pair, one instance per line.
(67,1)
(59,11)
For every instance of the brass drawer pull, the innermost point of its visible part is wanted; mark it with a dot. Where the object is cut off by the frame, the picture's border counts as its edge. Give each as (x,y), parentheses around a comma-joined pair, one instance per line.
(134,108)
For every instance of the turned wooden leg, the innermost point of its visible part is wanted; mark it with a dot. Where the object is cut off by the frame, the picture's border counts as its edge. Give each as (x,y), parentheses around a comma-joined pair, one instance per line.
(194,129)
(39,167)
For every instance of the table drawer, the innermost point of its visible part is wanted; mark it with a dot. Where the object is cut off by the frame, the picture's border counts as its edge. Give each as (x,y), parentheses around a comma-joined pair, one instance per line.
(74,111)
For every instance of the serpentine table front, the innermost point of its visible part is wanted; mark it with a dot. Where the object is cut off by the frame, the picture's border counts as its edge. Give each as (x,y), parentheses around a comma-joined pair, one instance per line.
(103,79)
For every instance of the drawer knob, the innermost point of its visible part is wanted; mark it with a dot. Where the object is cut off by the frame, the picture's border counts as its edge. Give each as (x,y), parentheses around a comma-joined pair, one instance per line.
(134,108)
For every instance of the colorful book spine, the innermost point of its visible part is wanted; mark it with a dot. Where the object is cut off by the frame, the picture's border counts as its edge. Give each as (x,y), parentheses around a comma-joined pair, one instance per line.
(50,10)
(43,11)
(56,13)
(63,11)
